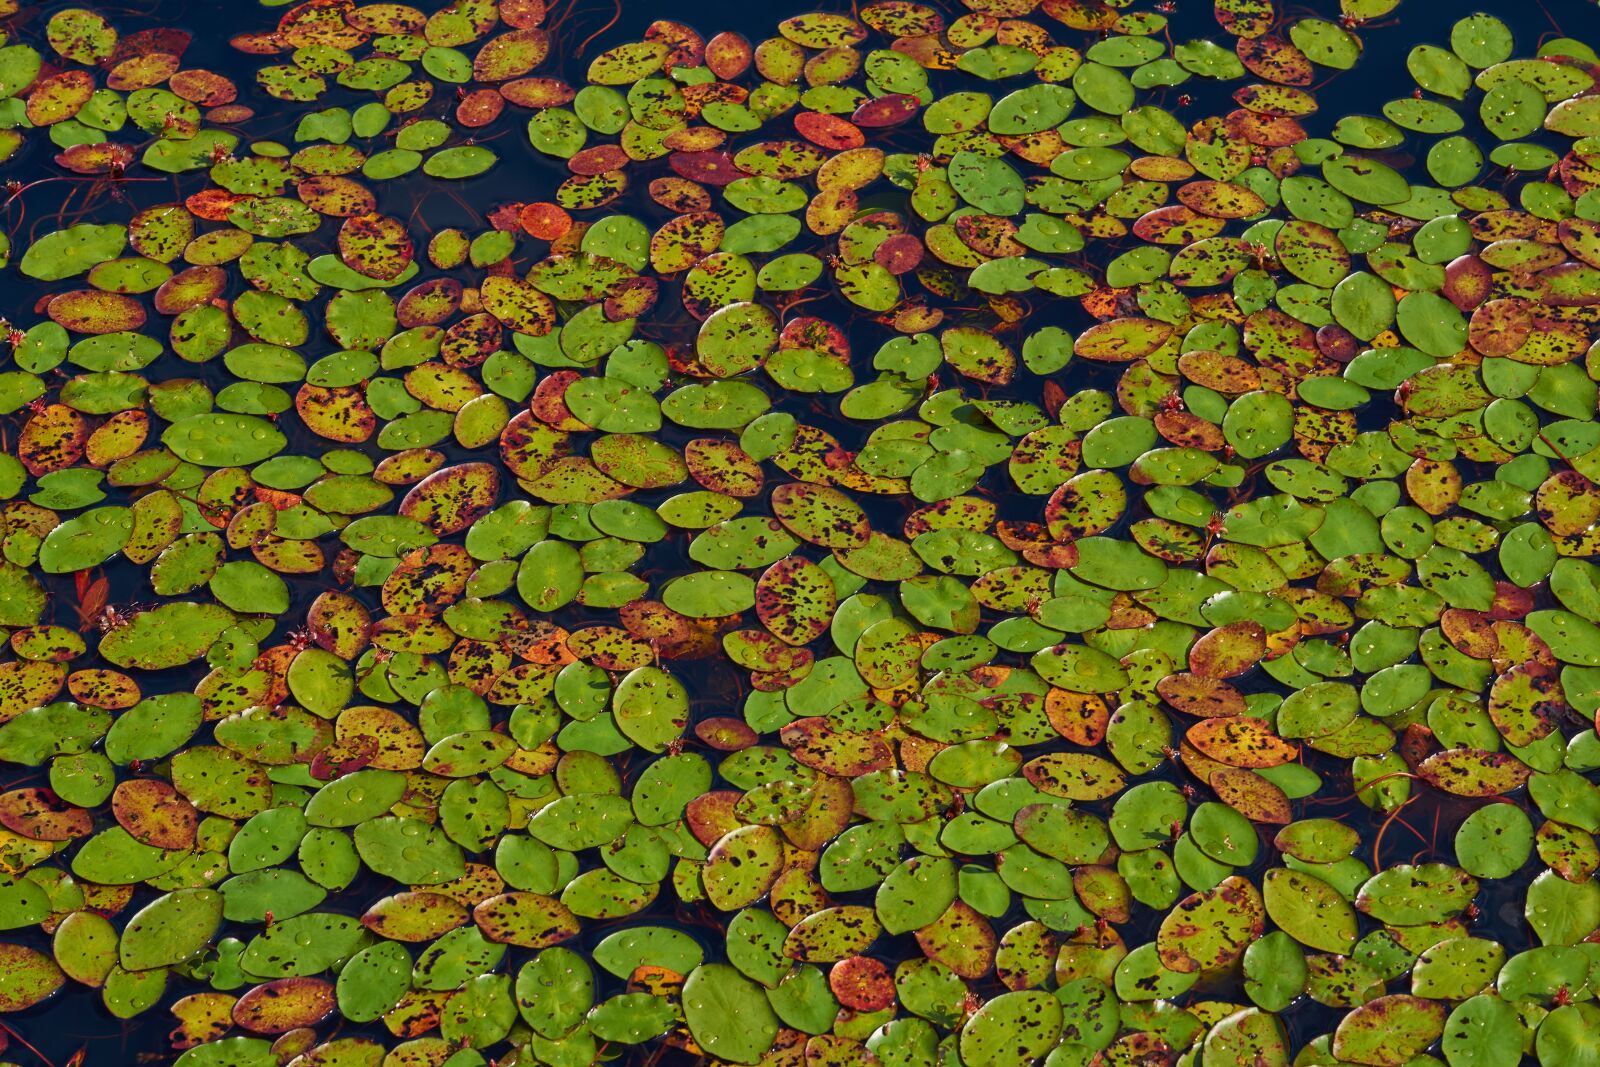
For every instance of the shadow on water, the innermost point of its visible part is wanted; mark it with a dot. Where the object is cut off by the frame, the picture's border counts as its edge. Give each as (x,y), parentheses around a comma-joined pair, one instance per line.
(76,1022)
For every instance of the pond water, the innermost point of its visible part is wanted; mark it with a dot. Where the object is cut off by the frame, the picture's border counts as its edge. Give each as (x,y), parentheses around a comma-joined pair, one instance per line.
(74,1023)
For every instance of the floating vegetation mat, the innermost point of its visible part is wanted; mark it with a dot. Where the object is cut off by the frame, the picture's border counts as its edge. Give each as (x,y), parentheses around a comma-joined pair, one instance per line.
(934,538)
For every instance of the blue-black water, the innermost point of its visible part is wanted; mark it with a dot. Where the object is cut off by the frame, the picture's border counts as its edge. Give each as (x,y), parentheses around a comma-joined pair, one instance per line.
(74,1023)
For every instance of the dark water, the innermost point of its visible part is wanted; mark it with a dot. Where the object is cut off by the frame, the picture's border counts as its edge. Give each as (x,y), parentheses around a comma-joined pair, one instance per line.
(75,1022)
